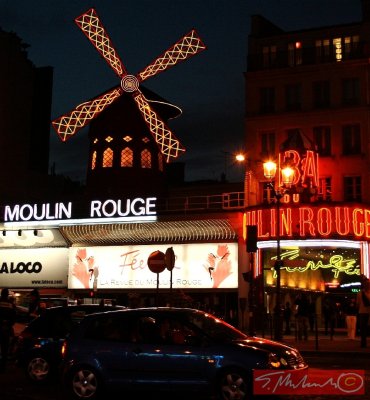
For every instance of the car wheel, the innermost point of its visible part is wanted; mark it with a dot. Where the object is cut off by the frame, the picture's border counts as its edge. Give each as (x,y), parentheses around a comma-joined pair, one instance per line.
(233,385)
(84,383)
(38,369)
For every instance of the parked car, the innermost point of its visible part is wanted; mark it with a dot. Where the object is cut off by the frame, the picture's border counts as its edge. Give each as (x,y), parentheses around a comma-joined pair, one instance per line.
(38,344)
(47,302)
(166,349)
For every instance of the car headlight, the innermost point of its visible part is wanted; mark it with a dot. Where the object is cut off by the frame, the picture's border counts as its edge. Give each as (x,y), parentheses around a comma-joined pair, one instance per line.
(275,361)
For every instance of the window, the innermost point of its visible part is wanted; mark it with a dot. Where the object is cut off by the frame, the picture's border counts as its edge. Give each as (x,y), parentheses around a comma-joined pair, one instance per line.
(267,144)
(293,97)
(267,99)
(337,49)
(146,159)
(352,188)
(322,50)
(351,139)
(321,94)
(351,46)
(266,193)
(324,190)
(93,160)
(351,91)
(269,56)
(109,329)
(294,54)
(108,158)
(322,140)
(127,157)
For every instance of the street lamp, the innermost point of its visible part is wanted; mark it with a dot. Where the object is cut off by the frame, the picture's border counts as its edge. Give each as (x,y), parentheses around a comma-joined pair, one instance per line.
(287,175)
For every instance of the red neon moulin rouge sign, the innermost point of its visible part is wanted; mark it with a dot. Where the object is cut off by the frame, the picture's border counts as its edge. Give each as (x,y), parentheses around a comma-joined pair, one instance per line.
(309,221)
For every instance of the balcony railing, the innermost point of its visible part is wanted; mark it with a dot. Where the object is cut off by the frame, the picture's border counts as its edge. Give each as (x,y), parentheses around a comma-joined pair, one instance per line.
(219,202)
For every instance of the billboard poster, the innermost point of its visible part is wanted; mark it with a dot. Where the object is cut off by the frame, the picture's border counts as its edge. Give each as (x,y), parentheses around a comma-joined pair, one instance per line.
(34,268)
(196,266)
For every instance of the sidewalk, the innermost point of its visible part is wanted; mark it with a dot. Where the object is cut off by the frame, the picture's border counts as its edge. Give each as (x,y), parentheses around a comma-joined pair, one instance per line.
(324,344)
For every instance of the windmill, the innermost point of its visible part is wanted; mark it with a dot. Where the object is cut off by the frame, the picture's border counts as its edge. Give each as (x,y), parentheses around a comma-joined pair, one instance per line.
(69,124)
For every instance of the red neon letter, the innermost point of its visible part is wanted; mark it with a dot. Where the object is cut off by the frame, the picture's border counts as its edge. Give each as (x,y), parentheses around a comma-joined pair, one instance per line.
(310,167)
(260,226)
(358,225)
(342,220)
(273,222)
(367,223)
(294,160)
(324,221)
(286,222)
(305,218)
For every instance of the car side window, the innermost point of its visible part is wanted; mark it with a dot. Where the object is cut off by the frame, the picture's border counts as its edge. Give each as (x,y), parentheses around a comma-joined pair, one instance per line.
(163,329)
(146,330)
(111,329)
(181,333)
(77,316)
(55,325)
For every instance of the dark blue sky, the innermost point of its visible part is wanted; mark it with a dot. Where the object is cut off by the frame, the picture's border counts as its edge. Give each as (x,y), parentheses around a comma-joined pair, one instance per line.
(209,87)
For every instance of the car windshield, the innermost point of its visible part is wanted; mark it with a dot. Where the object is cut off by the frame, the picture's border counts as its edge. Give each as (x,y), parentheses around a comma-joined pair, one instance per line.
(215,328)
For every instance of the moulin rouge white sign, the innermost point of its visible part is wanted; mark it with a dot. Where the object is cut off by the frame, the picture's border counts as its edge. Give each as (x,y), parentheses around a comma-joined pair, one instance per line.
(98,210)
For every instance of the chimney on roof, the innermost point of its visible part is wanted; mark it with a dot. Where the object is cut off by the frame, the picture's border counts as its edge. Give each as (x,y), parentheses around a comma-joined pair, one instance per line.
(365,5)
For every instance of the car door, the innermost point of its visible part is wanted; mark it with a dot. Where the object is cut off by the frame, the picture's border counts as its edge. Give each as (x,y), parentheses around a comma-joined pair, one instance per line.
(126,348)
(167,352)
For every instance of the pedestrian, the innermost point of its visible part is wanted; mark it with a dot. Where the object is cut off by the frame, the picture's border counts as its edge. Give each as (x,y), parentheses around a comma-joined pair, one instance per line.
(311,315)
(302,305)
(351,318)
(7,320)
(34,305)
(329,311)
(287,317)
(363,304)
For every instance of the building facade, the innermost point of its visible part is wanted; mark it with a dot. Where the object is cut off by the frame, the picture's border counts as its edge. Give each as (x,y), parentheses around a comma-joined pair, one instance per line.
(24,121)
(95,242)
(307,107)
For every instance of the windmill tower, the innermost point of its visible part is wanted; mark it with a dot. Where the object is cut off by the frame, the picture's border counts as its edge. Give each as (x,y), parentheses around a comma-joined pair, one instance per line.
(118,155)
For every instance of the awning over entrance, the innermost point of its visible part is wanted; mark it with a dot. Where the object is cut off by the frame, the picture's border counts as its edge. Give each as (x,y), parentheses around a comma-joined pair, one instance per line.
(31,238)
(151,232)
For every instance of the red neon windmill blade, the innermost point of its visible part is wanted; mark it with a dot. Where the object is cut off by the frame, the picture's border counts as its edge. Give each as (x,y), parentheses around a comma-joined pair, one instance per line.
(67,125)
(94,30)
(189,45)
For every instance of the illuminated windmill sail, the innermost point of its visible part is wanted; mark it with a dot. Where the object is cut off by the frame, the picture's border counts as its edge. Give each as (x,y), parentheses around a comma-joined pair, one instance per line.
(67,125)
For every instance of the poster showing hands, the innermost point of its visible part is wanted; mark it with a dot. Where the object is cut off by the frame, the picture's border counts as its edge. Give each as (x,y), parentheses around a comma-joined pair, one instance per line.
(197,266)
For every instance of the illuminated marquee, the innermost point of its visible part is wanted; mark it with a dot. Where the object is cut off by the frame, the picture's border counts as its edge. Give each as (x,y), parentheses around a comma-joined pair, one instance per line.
(98,211)
(196,266)
(313,265)
(336,263)
(311,222)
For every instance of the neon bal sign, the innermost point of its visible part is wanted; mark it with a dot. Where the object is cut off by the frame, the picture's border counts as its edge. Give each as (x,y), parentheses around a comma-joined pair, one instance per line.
(306,167)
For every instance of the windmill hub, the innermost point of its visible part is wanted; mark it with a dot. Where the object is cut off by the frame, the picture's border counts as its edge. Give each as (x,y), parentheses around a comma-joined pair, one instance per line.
(129,83)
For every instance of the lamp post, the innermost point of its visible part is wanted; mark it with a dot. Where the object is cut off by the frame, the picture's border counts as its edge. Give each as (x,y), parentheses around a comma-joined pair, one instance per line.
(287,174)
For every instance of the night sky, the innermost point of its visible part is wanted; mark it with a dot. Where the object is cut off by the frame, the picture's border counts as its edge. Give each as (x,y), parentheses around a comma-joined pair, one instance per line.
(208,87)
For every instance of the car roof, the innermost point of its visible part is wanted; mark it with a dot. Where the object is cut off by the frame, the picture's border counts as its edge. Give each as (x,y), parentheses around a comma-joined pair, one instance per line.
(73,307)
(85,309)
(140,310)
